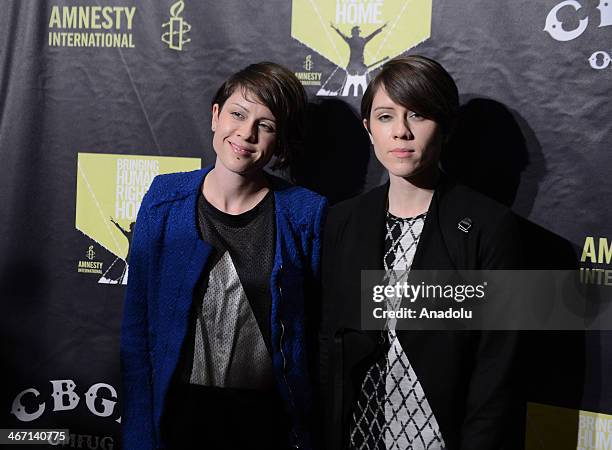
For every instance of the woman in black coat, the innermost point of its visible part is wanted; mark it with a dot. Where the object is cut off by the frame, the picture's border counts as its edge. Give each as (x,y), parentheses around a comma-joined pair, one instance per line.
(404,389)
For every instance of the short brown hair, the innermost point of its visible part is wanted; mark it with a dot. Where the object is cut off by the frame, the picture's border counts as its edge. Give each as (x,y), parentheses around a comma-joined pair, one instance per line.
(277,88)
(419,84)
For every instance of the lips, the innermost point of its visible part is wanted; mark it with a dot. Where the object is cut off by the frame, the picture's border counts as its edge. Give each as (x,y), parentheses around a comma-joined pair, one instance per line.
(402,152)
(240,150)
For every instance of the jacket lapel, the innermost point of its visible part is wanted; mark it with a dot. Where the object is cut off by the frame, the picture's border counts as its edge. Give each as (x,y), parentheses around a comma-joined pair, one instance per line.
(370,222)
(367,233)
(432,251)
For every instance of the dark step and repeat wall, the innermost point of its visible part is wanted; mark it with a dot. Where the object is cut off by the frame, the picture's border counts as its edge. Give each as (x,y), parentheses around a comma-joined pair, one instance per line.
(98,97)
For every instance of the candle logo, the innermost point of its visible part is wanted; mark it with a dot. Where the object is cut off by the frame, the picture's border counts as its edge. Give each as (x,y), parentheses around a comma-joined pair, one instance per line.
(177,28)
(308,63)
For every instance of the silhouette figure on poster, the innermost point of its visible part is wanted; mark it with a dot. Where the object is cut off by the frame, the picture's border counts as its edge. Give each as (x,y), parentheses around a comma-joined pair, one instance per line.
(356,70)
(122,279)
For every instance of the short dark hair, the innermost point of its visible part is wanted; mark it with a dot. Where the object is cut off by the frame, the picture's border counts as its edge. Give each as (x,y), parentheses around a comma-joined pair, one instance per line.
(279,89)
(419,84)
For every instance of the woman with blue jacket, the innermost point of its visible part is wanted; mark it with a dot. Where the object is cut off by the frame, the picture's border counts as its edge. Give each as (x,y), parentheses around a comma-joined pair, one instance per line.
(223,266)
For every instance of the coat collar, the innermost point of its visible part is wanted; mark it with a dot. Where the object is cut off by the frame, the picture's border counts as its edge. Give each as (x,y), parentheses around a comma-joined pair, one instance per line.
(431,253)
(282,190)
(192,184)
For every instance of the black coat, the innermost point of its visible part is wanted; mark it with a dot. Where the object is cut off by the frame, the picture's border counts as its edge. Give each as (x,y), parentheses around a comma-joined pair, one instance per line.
(467,376)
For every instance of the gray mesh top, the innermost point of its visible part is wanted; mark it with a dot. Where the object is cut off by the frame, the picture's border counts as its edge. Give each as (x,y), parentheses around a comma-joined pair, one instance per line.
(230,330)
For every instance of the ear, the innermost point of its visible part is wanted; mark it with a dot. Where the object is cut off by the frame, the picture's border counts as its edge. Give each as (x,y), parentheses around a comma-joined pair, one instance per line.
(366,125)
(215,117)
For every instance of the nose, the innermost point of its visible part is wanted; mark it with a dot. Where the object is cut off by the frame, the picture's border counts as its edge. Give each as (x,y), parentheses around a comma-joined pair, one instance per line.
(401,129)
(248,131)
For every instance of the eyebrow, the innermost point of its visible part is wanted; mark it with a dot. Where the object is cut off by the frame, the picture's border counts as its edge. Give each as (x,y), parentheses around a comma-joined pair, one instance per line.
(239,106)
(247,110)
(382,107)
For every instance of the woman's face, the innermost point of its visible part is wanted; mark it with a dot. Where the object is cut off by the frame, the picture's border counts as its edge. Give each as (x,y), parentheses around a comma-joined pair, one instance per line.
(244,134)
(404,142)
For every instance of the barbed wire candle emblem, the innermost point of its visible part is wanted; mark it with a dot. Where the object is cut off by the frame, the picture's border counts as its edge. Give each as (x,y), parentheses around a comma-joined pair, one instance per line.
(308,63)
(177,28)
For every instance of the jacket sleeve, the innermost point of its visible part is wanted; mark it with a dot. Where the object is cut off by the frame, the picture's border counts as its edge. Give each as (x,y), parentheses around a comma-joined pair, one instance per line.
(312,292)
(315,257)
(329,413)
(494,416)
(312,285)
(138,431)
(501,245)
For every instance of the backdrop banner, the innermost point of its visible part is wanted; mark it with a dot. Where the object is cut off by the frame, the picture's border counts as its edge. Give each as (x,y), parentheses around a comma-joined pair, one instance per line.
(99,96)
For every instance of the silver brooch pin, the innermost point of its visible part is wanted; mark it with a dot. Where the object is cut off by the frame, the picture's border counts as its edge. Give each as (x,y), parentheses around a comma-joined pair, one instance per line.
(465,224)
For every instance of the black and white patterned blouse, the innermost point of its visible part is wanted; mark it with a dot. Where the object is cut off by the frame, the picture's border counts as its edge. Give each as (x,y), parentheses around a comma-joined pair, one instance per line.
(392,410)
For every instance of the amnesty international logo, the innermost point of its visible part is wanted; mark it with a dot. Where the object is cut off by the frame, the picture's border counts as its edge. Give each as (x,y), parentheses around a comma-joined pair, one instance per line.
(308,77)
(91,26)
(308,63)
(89,265)
(596,261)
(176,28)
(110,189)
(358,36)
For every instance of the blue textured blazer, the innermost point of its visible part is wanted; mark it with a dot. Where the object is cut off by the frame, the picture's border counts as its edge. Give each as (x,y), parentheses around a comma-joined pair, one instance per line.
(166,259)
